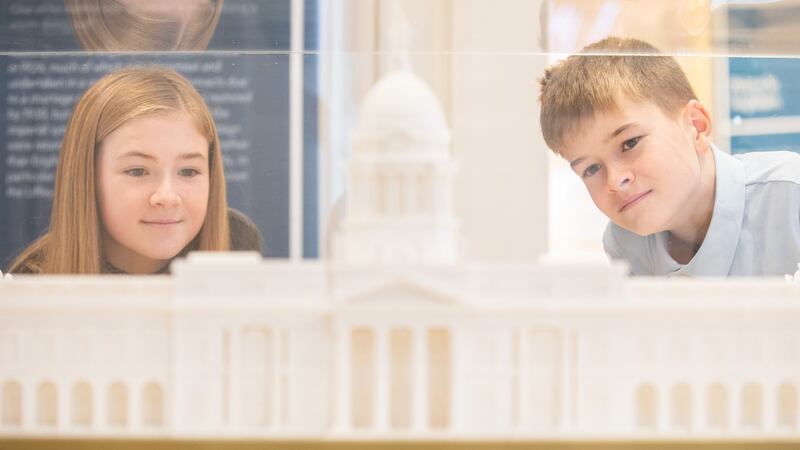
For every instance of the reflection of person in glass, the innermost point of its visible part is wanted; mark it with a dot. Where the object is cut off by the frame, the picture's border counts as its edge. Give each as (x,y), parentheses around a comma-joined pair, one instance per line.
(632,128)
(142,25)
(139,181)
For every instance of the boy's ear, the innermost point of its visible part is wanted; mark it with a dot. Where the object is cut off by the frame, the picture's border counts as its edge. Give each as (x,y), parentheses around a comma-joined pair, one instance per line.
(700,121)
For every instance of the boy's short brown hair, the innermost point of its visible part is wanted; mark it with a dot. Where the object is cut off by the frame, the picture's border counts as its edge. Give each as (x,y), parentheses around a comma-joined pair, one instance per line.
(578,87)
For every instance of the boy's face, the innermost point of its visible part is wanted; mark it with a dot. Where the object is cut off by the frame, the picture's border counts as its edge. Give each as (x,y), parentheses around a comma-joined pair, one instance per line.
(641,167)
(152,183)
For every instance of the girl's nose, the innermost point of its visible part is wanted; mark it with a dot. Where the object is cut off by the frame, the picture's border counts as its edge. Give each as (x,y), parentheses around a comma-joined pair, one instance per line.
(165,194)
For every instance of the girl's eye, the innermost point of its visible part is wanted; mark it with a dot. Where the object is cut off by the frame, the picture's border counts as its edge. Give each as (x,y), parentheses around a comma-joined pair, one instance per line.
(591,170)
(189,173)
(630,143)
(137,172)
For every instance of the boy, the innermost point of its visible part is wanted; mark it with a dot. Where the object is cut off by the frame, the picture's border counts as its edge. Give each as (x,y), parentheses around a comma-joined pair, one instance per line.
(629,124)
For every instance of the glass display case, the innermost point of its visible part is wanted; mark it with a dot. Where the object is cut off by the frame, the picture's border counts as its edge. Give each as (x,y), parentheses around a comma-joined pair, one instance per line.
(402,133)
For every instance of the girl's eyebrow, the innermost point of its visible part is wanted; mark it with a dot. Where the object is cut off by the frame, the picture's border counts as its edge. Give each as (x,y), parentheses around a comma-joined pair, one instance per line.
(191,156)
(136,154)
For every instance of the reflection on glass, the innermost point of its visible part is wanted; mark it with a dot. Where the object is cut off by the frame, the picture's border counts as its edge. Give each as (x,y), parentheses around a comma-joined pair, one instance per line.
(142,25)
(672,26)
(761,27)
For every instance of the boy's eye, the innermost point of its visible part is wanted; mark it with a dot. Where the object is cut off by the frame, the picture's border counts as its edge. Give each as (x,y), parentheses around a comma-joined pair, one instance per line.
(591,170)
(137,172)
(630,143)
(189,173)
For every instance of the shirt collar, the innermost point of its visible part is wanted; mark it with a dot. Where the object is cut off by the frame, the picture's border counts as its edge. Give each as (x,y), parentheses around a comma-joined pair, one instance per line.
(716,254)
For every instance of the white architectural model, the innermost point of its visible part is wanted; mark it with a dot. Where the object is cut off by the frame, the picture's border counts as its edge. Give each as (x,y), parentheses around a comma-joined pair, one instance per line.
(396,338)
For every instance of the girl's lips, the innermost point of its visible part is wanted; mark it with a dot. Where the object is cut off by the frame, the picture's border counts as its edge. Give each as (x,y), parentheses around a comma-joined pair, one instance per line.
(161,222)
(633,199)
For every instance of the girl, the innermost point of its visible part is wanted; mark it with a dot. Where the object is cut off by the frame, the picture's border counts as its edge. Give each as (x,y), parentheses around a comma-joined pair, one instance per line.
(139,181)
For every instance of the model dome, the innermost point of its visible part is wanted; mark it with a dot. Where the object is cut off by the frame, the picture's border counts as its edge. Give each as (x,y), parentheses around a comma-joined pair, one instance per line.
(400,103)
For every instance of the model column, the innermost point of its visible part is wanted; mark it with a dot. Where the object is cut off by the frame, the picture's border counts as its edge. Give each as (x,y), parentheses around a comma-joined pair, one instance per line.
(381,407)
(344,395)
(100,412)
(524,379)
(235,377)
(664,405)
(769,418)
(699,396)
(275,415)
(420,404)
(135,406)
(569,385)
(733,421)
(64,418)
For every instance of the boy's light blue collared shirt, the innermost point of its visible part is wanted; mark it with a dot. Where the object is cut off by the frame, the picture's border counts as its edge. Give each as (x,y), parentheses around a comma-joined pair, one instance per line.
(754,229)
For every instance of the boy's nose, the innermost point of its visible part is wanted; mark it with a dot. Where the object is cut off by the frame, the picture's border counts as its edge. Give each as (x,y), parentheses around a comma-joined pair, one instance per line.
(620,180)
(165,194)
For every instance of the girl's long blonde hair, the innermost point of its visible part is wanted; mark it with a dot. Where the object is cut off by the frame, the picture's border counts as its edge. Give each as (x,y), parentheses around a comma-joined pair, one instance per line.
(73,243)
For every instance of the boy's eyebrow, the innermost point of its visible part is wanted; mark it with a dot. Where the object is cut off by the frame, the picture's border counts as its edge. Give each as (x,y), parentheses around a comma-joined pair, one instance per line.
(618,131)
(611,136)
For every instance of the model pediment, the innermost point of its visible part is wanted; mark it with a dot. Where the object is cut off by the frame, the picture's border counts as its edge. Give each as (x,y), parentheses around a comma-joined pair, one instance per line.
(401,293)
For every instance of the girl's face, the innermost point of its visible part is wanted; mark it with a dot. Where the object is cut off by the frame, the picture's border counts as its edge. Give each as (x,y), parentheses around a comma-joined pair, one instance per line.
(152,184)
